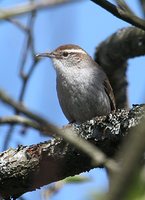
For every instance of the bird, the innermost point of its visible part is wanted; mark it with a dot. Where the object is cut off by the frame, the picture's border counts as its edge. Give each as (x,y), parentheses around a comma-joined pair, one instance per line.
(83,88)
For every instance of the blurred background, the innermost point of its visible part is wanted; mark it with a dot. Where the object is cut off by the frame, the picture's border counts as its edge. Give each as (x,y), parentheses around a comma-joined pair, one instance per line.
(82,23)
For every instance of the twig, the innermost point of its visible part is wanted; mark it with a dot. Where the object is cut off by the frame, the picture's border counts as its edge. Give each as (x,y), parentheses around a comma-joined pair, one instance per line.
(16,119)
(28,43)
(25,77)
(124,7)
(29,7)
(18,24)
(121,14)
(8,137)
(68,134)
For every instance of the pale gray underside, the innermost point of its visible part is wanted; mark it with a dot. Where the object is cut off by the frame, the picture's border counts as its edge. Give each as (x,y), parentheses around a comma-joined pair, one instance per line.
(82,95)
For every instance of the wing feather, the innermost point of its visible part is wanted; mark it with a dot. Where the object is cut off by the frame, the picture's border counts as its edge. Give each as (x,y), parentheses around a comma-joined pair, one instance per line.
(110,94)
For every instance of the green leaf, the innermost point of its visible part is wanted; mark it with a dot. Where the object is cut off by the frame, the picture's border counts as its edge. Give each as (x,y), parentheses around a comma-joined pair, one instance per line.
(77,179)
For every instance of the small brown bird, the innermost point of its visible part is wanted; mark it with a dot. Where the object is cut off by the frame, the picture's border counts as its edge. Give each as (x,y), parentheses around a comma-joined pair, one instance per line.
(83,88)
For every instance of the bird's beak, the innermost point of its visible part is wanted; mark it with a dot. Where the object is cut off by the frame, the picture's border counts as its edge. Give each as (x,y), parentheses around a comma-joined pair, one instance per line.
(50,55)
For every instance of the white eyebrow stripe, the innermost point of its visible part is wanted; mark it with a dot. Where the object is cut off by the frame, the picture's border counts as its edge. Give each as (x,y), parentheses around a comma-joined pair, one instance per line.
(75,51)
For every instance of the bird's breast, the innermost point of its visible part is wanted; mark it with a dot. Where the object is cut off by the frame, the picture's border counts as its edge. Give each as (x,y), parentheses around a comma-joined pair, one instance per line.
(81,96)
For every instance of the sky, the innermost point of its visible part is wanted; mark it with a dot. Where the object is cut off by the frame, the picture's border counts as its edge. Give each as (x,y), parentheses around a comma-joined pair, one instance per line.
(82,23)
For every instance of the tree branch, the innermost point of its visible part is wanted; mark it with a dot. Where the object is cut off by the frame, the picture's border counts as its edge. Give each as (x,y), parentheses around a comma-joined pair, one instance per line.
(18,24)
(95,154)
(121,12)
(106,132)
(16,119)
(113,53)
(29,7)
(27,168)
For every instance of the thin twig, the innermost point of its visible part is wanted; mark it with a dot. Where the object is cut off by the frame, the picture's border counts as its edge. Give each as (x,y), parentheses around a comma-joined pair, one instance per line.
(98,157)
(27,44)
(16,119)
(123,6)
(8,137)
(121,14)
(25,77)
(18,24)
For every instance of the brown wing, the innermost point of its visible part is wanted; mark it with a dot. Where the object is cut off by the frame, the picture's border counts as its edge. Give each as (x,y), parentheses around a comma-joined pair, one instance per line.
(110,94)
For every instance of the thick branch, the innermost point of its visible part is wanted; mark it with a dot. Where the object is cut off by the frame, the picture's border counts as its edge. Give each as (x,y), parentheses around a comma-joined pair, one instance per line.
(112,55)
(122,12)
(48,128)
(27,168)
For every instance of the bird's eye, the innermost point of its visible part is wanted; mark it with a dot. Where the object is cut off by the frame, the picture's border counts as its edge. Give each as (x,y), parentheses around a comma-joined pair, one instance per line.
(65,54)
